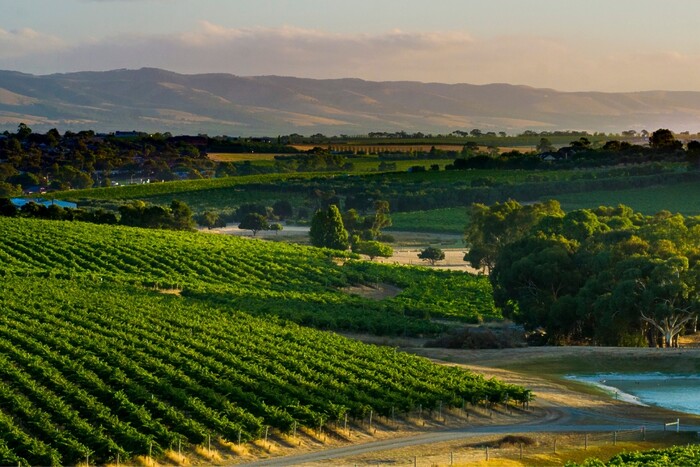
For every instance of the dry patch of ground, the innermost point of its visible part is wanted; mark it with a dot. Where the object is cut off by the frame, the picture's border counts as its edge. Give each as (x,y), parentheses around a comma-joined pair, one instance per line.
(240,157)
(379,291)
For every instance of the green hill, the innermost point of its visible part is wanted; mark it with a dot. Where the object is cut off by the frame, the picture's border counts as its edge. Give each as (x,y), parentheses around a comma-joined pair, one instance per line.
(95,360)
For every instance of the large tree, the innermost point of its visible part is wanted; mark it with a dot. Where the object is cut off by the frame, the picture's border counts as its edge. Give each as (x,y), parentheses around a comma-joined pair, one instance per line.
(432,255)
(608,276)
(327,229)
(254,222)
(663,139)
(372,249)
(490,228)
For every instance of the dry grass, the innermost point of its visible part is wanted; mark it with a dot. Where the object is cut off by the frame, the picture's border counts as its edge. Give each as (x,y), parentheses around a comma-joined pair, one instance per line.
(378,292)
(240,157)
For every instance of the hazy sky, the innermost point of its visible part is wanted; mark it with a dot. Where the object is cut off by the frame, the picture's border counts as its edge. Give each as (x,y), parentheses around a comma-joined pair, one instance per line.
(605,45)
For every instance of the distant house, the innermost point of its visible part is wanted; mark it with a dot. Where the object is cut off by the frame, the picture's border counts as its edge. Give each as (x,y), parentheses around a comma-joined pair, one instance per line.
(19,202)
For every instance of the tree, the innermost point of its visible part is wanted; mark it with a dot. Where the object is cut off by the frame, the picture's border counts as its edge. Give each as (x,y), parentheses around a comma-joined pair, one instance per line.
(327,229)
(182,216)
(282,209)
(7,209)
(381,218)
(276,227)
(254,222)
(210,220)
(8,189)
(693,155)
(545,145)
(671,303)
(23,131)
(663,139)
(491,228)
(372,248)
(432,255)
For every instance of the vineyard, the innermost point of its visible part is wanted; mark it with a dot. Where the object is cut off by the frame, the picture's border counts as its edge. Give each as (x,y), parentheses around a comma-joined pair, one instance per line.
(97,363)
(296,283)
(675,456)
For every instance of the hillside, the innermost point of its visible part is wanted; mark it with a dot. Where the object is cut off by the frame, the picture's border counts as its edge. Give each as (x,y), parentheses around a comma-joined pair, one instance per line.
(157,100)
(96,361)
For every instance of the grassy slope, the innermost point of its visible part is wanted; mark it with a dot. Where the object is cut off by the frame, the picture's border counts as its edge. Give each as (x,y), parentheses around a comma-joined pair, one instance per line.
(94,359)
(298,283)
(683,198)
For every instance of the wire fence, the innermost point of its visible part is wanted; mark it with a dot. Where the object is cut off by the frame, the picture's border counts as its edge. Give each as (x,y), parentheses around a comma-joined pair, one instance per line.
(530,450)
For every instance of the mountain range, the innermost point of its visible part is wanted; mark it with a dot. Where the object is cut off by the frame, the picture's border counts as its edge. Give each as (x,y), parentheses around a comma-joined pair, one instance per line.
(153,100)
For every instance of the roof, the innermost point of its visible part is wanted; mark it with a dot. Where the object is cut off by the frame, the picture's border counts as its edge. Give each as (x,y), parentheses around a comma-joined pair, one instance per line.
(19,202)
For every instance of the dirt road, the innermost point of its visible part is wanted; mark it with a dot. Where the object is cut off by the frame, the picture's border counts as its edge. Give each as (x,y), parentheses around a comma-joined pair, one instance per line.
(559,408)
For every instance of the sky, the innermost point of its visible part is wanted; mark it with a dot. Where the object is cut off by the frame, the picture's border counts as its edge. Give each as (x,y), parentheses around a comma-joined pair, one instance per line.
(568,45)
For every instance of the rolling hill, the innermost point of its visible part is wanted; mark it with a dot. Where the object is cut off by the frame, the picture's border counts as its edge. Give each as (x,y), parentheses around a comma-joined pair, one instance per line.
(157,100)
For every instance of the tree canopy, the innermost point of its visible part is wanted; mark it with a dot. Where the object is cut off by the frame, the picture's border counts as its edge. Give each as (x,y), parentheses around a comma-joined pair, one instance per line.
(607,275)
(254,222)
(327,229)
(432,255)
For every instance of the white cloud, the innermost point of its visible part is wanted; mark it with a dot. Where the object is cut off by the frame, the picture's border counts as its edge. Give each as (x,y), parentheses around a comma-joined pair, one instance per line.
(21,42)
(395,55)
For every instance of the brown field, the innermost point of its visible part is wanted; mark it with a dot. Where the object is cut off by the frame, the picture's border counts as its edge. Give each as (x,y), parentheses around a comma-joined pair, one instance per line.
(240,157)
(375,148)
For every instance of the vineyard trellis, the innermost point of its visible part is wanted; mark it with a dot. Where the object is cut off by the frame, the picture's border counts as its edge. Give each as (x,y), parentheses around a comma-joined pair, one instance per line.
(96,364)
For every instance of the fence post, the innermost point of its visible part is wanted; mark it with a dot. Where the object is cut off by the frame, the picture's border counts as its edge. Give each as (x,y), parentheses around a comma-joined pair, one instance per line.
(644,433)
(521,451)
(614,438)
(585,442)
(487,453)
(452,459)
(555,445)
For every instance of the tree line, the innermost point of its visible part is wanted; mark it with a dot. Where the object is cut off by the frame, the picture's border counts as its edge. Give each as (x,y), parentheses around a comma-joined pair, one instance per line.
(608,276)
(177,216)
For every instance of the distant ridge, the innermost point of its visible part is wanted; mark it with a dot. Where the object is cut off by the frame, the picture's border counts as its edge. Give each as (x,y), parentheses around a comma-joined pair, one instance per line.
(151,99)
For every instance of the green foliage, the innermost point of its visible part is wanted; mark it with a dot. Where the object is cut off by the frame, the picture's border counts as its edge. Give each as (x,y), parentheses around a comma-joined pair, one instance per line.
(140,214)
(300,284)
(435,293)
(254,222)
(608,275)
(491,228)
(647,200)
(447,220)
(675,456)
(372,248)
(327,230)
(432,255)
(94,359)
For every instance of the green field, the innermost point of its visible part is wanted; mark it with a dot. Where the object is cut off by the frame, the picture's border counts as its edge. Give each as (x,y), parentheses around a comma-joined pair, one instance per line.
(683,198)
(448,220)
(123,342)
(405,191)
(271,279)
